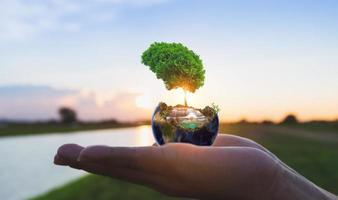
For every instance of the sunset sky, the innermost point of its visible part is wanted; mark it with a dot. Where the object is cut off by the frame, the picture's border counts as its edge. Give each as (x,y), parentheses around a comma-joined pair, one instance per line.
(263,59)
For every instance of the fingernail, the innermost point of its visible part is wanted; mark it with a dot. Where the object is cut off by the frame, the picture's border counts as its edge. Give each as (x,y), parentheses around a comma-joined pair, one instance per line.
(59,161)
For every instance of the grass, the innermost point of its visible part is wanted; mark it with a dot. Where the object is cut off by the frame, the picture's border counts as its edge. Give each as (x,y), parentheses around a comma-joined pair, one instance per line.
(19,129)
(316,160)
(319,127)
(95,187)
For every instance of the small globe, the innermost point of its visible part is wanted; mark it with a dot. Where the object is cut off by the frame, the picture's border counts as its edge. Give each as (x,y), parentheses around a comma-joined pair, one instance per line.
(184,124)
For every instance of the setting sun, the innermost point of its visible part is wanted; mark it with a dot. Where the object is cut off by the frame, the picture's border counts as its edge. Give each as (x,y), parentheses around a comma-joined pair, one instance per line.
(223,94)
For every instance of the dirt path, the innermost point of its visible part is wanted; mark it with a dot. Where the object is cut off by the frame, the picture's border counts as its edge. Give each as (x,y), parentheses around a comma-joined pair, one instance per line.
(322,136)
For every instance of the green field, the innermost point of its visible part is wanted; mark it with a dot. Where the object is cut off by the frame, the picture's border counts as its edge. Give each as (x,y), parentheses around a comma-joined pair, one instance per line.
(316,160)
(19,129)
(95,187)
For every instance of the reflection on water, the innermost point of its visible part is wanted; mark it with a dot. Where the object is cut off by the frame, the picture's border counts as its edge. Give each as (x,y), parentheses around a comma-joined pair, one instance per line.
(26,167)
(144,136)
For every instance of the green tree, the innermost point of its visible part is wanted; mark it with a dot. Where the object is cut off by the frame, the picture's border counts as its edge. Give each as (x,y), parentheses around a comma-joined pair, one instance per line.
(176,65)
(290,120)
(67,115)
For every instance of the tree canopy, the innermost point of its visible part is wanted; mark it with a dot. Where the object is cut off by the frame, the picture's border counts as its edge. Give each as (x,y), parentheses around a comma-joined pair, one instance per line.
(290,119)
(176,65)
(67,115)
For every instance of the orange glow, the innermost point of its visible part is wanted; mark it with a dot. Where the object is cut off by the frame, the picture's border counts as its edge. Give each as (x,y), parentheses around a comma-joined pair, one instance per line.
(144,136)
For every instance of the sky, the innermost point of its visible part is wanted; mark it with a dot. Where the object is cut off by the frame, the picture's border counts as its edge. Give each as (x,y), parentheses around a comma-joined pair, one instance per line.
(263,59)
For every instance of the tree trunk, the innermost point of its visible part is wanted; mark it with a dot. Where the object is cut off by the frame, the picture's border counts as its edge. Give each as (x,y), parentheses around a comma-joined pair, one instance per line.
(185,98)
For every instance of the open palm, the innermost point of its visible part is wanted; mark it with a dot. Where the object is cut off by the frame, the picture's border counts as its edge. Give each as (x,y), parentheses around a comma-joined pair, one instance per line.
(233,168)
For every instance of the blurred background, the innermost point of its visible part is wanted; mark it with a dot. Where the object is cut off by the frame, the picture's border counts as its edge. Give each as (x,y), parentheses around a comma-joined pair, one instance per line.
(70,71)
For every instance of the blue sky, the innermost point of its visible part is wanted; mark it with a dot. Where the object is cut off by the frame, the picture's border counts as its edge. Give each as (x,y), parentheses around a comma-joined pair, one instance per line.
(263,59)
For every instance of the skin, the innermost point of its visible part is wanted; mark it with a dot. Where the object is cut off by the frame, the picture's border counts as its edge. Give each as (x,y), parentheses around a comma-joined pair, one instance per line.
(233,168)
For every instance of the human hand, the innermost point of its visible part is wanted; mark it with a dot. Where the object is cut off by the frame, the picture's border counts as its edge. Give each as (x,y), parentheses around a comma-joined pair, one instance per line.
(233,168)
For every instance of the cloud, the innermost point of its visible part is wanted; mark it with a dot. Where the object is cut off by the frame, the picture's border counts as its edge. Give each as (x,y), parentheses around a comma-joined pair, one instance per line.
(43,102)
(134,2)
(20,19)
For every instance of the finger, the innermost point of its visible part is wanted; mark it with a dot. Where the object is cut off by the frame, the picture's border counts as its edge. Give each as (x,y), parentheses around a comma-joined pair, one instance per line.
(119,157)
(237,141)
(133,176)
(68,154)
(59,161)
(159,182)
(232,140)
(148,159)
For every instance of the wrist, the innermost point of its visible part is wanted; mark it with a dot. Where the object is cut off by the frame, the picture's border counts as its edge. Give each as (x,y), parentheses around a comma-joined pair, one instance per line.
(290,185)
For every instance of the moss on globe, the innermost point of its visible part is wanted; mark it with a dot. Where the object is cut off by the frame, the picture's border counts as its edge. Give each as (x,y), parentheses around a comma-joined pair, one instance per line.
(185,124)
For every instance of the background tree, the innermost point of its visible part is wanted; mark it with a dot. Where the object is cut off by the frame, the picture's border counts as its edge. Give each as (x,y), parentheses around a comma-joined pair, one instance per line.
(67,115)
(267,122)
(290,120)
(176,65)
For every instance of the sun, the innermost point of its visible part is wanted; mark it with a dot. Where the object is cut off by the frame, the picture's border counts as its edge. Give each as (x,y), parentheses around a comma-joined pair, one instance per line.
(143,101)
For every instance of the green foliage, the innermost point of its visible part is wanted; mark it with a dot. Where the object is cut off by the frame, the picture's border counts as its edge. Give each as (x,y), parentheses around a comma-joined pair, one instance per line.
(13,129)
(176,65)
(67,115)
(210,111)
(215,108)
(101,188)
(290,120)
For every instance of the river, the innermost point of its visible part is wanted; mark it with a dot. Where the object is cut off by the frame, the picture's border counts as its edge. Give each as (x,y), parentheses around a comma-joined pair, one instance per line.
(26,163)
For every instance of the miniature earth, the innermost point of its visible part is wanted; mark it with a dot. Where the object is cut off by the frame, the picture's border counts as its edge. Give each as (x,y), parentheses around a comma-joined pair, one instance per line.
(185,124)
